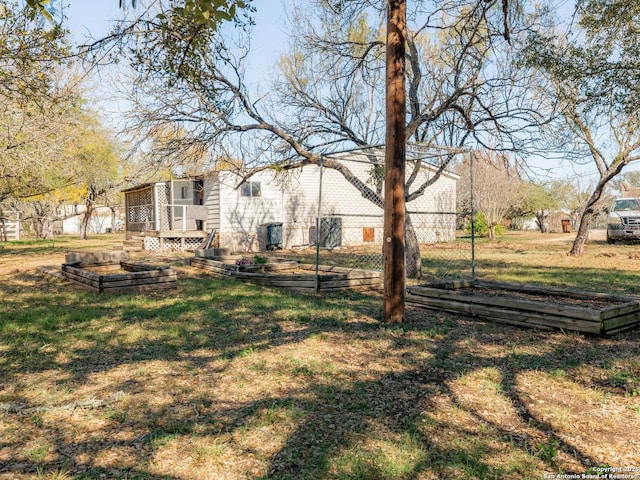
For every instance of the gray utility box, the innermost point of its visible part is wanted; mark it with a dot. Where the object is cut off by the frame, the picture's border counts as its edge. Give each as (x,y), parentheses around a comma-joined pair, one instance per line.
(272,234)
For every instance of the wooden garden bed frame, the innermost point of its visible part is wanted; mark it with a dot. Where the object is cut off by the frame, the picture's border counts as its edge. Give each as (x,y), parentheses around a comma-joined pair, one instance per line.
(560,308)
(139,276)
(294,275)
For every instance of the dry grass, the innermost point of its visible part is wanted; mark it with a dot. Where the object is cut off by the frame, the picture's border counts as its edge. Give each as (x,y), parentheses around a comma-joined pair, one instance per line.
(219,379)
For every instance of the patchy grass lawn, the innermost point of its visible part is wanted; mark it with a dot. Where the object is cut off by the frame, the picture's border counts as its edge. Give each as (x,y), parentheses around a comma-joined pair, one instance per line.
(219,379)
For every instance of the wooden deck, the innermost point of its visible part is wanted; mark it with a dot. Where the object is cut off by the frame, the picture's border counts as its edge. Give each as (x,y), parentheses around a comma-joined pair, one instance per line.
(531,306)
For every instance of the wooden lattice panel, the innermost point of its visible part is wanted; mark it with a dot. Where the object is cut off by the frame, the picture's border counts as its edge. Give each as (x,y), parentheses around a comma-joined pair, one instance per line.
(151,243)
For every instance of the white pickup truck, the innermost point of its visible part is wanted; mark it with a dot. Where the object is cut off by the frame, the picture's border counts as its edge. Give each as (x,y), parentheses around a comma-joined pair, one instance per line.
(623,221)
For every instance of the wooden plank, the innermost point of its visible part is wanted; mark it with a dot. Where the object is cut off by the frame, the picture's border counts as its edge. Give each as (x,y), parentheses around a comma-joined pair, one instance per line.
(334,269)
(279,277)
(518,304)
(211,268)
(355,274)
(155,286)
(348,283)
(163,278)
(78,272)
(82,280)
(99,268)
(142,267)
(109,283)
(267,268)
(214,263)
(115,277)
(323,268)
(621,322)
(621,328)
(284,283)
(504,315)
(214,267)
(454,285)
(347,272)
(94,257)
(214,271)
(84,284)
(616,311)
(286,265)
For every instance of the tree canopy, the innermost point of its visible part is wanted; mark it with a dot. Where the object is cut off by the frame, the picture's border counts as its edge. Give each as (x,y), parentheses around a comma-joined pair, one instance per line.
(36,102)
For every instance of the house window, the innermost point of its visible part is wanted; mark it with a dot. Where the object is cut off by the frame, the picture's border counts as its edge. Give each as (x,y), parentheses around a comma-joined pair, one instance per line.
(250,189)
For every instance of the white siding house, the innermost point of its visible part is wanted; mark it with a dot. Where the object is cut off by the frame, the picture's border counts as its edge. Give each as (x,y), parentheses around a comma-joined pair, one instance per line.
(240,212)
(102,221)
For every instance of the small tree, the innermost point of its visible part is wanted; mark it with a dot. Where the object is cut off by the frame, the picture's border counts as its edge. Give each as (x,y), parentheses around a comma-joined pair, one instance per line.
(496,187)
(95,154)
(541,201)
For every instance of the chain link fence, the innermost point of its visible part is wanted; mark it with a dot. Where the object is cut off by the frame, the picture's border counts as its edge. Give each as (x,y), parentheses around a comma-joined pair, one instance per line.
(350,218)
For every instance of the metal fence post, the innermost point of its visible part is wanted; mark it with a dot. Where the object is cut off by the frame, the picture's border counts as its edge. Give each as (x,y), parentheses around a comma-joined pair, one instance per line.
(318,222)
(473,217)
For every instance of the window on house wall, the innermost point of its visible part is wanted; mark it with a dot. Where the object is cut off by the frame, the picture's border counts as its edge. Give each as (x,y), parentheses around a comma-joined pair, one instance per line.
(251,189)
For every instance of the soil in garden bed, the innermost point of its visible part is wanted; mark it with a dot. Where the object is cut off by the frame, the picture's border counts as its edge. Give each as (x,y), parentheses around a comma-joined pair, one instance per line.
(106,269)
(555,298)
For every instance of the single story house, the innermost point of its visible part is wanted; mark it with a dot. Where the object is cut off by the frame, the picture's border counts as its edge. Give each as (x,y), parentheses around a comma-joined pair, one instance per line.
(180,213)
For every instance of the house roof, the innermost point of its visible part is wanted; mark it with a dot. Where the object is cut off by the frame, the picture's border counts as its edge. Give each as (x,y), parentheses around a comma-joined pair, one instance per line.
(144,186)
(414,153)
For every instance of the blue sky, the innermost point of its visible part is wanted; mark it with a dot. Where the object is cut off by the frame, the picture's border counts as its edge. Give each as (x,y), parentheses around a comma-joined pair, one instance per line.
(93,19)
(90,17)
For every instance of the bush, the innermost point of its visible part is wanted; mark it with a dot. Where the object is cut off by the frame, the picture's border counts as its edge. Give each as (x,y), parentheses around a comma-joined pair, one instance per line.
(480,227)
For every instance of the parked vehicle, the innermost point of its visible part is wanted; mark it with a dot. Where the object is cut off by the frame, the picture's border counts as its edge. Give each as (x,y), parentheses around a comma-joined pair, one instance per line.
(623,220)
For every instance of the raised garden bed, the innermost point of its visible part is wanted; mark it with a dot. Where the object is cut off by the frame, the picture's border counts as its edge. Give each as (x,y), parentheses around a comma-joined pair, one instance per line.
(530,306)
(108,273)
(291,274)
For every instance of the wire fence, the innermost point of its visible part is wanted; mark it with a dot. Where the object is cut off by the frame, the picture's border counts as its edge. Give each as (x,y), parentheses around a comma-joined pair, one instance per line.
(350,218)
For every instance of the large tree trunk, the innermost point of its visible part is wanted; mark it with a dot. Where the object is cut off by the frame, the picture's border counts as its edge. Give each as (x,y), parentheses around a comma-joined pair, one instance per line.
(412,251)
(591,208)
(577,249)
(395,156)
(590,211)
